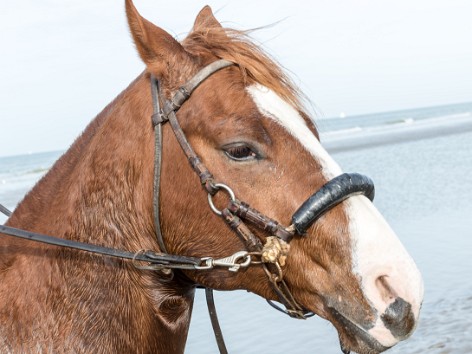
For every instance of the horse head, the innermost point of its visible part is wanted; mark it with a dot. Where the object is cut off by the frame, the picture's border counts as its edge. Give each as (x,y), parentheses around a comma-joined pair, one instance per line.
(247,124)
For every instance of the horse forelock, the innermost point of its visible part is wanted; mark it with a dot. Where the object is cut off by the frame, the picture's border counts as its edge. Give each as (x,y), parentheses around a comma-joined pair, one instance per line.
(255,64)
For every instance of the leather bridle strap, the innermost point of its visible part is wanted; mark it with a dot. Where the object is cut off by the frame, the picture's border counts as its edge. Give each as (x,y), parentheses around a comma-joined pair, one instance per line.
(157,160)
(214,321)
(168,114)
(157,259)
(5,211)
(152,260)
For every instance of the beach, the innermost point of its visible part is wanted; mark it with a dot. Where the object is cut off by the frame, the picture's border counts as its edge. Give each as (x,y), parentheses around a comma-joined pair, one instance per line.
(396,132)
(423,176)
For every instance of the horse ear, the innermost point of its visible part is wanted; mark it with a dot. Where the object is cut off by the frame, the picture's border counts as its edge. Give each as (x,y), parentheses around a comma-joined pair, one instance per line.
(205,19)
(157,48)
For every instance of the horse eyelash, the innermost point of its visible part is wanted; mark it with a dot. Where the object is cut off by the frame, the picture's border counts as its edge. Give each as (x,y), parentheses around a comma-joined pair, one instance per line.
(241,153)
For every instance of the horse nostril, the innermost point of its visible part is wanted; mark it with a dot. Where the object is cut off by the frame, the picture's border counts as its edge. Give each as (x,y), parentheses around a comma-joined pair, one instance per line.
(386,291)
(399,318)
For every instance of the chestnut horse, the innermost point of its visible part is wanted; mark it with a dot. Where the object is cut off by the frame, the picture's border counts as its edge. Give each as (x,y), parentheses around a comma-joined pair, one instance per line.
(247,124)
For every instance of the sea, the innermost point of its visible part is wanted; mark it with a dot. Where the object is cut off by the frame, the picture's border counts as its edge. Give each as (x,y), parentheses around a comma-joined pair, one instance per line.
(421,163)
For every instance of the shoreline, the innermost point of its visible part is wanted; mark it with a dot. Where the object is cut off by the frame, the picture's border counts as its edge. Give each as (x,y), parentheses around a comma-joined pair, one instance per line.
(364,138)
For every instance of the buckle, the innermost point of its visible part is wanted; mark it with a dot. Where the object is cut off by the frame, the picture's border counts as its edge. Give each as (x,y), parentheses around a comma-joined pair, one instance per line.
(158,118)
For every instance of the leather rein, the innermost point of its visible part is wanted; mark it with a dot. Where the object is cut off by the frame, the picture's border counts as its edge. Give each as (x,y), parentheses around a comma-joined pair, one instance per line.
(270,255)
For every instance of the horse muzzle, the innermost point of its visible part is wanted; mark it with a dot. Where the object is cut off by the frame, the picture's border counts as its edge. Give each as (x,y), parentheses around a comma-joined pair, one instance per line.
(328,196)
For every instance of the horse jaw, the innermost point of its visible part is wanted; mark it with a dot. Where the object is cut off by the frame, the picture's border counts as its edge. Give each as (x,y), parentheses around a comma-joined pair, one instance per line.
(387,276)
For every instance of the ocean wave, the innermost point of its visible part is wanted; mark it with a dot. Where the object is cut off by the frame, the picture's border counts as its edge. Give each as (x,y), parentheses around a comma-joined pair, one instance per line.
(402,121)
(38,170)
(408,130)
(342,131)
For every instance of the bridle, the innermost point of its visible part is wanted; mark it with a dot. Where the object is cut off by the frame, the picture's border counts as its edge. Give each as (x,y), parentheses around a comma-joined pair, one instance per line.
(270,254)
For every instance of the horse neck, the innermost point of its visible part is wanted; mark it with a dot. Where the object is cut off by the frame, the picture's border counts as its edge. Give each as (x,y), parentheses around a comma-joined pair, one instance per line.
(100,192)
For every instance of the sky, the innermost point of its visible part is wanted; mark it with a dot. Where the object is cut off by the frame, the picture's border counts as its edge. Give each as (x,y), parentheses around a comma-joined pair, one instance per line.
(63,61)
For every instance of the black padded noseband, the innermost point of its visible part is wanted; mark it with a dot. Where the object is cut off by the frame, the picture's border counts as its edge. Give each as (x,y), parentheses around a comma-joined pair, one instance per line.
(328,196)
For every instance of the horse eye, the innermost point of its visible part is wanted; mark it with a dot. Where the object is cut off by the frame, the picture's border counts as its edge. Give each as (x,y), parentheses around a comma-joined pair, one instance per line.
(240,153)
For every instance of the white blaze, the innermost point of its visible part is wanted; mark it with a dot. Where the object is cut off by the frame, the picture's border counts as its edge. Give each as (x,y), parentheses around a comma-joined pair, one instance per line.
(378,252)
(376,249)
(273,107)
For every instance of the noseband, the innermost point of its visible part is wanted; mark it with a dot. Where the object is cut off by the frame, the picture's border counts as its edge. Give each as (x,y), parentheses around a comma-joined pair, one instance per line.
(270,254)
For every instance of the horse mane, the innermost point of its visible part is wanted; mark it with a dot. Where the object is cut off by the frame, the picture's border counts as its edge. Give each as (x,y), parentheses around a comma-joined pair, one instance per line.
(255,64)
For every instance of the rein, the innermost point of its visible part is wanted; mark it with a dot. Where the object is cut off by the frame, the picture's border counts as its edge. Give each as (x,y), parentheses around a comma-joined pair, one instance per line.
(5,211)
(154,261)
(270,255)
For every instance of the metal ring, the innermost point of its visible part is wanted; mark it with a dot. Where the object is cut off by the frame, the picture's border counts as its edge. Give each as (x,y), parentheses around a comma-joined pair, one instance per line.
(219,186)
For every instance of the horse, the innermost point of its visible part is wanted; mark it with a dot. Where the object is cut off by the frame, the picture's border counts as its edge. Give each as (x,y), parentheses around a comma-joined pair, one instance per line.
(244,129)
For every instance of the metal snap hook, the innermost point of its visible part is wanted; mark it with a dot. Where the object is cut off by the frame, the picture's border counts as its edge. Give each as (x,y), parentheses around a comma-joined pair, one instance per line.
(219,186)
(238,260)
(241,259)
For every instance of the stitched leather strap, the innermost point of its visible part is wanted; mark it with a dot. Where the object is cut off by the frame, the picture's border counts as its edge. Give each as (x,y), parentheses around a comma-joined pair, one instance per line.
(156,119)
(168,114)
(214,321)
(253,216)
(166,260)
(184,92)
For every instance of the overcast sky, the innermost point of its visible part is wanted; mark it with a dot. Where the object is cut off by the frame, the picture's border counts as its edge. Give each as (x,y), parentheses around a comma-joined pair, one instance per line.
(62,61)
